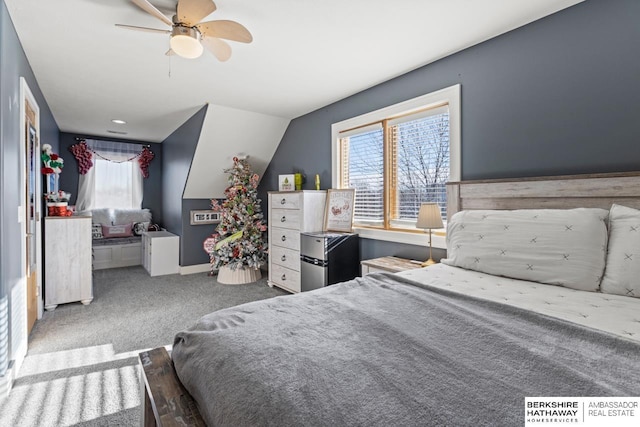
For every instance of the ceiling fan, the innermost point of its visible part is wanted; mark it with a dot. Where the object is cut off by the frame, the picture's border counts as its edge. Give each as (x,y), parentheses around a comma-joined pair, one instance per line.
(189,36)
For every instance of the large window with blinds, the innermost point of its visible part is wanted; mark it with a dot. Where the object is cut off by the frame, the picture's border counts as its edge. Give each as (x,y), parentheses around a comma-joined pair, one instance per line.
(398,158)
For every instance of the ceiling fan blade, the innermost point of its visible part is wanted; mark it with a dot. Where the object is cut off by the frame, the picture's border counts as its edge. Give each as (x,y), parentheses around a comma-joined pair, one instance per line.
(219,48)
(151,10)
(147,29)
(170,52)
(191,12)
(229,30)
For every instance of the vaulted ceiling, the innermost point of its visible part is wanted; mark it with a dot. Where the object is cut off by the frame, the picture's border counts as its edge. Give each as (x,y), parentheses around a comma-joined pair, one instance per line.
(305,54)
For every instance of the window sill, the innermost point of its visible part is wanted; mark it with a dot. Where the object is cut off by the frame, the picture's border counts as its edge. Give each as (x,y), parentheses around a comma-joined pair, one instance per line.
(420,239)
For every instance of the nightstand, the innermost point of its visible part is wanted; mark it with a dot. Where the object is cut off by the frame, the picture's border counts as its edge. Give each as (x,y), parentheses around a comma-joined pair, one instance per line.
(389,264)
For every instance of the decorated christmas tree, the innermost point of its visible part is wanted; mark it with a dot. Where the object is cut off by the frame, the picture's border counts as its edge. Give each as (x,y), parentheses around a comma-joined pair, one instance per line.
(238,241)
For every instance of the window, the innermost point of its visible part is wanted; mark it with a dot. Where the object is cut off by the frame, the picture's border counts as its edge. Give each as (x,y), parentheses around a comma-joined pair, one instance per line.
(114,181)
(114,184)
(396,159)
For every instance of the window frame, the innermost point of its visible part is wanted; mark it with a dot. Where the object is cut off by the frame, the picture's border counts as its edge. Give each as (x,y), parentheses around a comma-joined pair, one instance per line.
(449,95)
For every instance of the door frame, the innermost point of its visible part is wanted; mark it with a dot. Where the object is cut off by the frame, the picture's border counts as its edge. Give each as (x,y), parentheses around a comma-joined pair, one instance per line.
(27,96)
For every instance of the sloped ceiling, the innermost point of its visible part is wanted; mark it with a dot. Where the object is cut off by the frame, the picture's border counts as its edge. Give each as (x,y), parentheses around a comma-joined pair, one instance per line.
(227,133)
(305,54)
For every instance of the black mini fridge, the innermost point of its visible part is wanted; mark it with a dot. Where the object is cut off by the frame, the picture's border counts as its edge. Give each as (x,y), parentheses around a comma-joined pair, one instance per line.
(327,258)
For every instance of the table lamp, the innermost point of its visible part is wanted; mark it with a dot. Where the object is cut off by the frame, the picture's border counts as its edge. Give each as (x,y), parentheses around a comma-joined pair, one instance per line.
(429,217)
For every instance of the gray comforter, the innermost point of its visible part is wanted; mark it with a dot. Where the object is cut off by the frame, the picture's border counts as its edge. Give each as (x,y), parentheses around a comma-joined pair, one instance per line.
(386,351)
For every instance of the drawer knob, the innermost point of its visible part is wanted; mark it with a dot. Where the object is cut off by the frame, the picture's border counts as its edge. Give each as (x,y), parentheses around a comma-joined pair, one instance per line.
(283,201)
(284,238)
(283,219)
(283,258)
(284,277)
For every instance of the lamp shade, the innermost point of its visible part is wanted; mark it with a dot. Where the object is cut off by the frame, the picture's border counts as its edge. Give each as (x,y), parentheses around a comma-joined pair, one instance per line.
(185,42)
(429,216)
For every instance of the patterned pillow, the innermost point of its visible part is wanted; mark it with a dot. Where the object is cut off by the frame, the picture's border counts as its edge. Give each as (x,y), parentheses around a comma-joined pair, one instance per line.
(554,246)
(140,227)
(117,230)
(623,257)
(96,231)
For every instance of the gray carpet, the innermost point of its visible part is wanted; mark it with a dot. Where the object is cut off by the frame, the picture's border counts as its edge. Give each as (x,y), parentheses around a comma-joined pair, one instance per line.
(81,368)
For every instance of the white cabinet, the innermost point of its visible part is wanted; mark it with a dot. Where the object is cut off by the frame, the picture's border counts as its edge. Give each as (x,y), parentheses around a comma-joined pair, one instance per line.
(67,266)
(160,252)
(291,213)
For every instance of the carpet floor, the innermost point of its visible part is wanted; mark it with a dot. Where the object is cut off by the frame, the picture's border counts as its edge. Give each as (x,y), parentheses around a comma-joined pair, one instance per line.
(82,367)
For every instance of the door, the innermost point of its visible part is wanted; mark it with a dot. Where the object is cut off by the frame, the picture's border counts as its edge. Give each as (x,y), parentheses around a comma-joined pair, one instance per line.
(31,212)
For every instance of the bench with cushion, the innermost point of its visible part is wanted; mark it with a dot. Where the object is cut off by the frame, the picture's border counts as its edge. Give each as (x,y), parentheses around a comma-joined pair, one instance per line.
(117,240)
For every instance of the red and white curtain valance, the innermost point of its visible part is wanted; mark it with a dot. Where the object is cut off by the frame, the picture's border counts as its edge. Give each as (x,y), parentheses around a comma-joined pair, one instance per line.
(85,150)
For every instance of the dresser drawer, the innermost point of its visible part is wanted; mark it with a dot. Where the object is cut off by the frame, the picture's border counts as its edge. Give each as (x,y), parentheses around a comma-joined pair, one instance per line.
(285,257)
(285,238)
(286,201)
(285,277)
(285,218)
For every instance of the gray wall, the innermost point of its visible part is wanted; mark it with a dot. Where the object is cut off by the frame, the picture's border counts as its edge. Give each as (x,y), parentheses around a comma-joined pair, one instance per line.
(194,235)
(152,186)
(178,150)
(558,96)
(13,65)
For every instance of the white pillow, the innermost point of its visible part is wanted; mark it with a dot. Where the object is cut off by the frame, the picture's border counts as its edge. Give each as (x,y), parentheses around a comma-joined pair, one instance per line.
(622,273)
(554,246)
(101,216)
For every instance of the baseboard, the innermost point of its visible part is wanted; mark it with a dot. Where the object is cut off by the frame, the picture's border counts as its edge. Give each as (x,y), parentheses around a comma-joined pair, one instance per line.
(193,269)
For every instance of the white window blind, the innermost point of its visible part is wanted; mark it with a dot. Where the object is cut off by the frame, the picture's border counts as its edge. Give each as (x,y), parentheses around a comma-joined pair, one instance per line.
(420,159)
(362,152)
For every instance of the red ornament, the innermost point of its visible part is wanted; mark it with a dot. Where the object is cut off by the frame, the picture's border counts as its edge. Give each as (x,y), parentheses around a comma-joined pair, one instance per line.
(46,171)
(145,158)
(83,155)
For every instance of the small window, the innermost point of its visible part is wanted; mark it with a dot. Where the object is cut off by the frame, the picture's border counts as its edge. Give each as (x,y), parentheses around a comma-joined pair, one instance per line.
(115,184)
(115,180)
(398,158)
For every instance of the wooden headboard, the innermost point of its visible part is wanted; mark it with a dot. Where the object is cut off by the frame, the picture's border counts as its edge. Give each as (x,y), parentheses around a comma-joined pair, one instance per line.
(551,192)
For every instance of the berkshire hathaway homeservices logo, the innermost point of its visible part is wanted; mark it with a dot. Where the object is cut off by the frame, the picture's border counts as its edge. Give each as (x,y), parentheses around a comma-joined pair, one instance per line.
(582,411)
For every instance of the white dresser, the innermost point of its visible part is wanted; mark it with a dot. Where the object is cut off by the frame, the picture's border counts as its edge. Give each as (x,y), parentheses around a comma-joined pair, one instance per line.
(67,265)
(160,252)
(291,213)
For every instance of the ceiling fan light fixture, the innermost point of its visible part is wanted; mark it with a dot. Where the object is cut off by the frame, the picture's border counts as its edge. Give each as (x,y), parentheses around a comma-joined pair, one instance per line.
(185,42)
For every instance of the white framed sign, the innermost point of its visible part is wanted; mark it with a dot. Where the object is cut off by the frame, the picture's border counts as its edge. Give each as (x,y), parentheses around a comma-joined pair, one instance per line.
(286,182)
(338,215)
(204,217)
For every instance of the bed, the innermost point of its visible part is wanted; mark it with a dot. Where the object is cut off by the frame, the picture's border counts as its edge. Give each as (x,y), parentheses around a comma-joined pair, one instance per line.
(452,344)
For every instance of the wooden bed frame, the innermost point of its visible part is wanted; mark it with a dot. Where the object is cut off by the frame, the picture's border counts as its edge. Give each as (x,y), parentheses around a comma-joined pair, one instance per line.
(549,192)
(167,402)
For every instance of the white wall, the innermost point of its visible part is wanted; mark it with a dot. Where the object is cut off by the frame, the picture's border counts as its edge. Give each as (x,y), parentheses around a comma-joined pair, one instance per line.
(228,132)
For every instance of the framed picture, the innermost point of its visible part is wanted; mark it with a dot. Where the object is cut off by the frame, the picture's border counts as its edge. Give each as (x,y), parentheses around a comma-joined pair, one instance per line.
(338,215)
(286,182)
(204,217)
